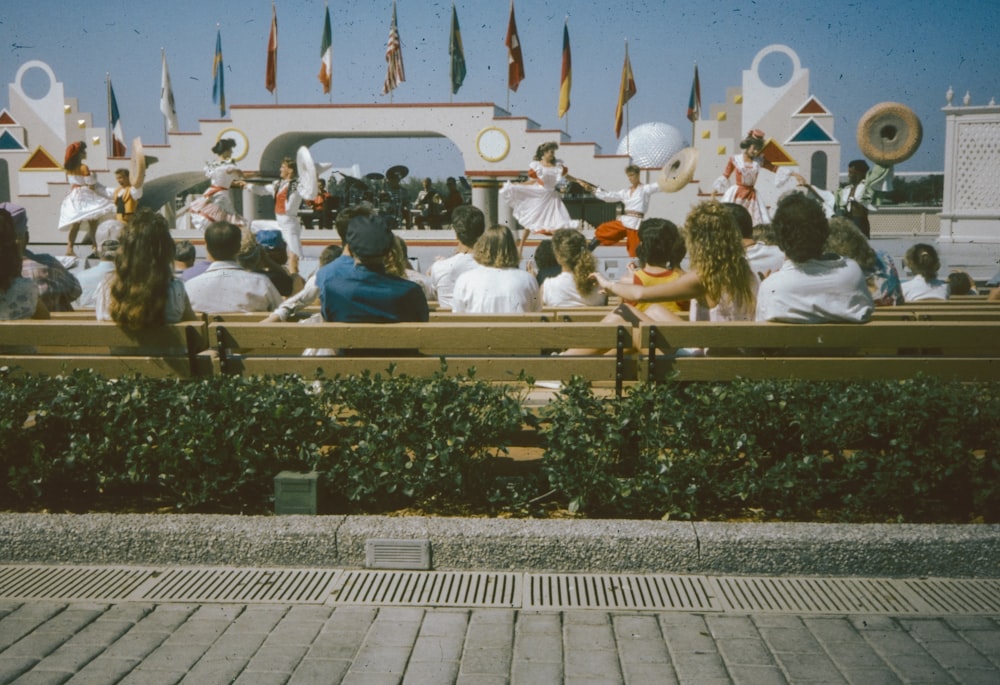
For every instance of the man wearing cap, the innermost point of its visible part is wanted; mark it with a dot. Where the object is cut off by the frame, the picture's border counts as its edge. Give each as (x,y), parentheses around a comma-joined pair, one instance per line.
(358,290)
(107,241)
(57,287)
(226,286)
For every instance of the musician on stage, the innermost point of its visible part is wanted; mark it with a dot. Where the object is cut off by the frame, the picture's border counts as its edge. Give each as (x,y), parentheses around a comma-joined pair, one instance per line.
(323,206)
(635,198)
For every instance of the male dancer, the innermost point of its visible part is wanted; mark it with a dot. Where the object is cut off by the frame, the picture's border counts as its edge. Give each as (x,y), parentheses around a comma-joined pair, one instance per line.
(126,196)
(626,225)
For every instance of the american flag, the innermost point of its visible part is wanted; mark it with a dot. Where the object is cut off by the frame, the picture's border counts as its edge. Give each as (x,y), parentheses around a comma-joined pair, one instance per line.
(394,74)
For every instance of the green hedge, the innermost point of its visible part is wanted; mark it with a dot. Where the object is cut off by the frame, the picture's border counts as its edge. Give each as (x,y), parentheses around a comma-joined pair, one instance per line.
(920,450)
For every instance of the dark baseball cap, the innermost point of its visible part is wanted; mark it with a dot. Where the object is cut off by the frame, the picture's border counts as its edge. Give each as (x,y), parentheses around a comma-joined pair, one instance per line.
(369,237)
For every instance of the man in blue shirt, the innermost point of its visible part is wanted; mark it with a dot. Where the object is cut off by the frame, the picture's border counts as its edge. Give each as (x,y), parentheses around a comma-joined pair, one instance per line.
(358,290)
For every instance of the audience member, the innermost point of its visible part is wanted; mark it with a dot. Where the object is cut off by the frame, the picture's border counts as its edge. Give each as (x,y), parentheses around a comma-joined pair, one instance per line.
(91,278)
(453,197)
(288,309)
(225,286)
(19,297)
(272,261)
(811,287)
(764,258)
(57,287)
(496,285)
(573,286)
(847,240)
(660,252)
(359,290)
(922,260)
(142,292)
(720,284)
(961,283)
(185,256)
(468,222)
(397,263)
(543,262)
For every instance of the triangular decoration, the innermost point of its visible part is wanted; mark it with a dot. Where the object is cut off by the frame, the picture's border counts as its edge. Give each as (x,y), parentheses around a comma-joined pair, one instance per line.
(776,155)
(811,132)
(40,160)
(9,142)
(812,106)
(6,119)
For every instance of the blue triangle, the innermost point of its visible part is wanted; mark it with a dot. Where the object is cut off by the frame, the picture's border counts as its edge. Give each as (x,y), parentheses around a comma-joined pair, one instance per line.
(811,133)
(9,142)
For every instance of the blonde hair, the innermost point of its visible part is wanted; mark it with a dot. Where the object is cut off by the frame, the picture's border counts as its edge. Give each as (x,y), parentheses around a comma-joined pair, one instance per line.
(715,248)
(571,252)
(847,240)
(496,247)
(396,262)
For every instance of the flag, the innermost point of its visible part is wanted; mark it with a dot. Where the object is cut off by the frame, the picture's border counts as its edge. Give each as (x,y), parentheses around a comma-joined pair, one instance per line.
(694,102)
(515,60)
(566,78)
(117,136)
(456,53)
(271,72)
(625,92)
(167,106)
(218,78)
(394,74)
(326,54)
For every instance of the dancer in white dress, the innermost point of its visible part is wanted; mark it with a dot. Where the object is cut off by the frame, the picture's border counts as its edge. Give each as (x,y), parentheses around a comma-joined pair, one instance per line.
(747,166)
(287,200)
(537,203)
(215,204)
(87,200)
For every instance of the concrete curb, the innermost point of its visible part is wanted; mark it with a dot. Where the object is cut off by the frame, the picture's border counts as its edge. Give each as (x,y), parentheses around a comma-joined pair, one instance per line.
(597,546)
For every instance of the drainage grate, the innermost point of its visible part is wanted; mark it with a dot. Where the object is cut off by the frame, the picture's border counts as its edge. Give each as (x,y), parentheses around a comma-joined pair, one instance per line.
(241,585)
(602,591)
(814,595)
(401,554)
(433,588)
(71,582)
(949,596)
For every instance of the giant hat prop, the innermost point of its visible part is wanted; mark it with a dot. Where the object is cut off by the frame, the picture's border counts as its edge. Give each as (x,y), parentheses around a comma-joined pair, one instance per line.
(889,133)
(137,164)
(309,172)
(678,171)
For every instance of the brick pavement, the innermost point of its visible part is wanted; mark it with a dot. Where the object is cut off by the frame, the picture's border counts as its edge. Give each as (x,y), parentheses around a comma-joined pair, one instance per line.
(48,642)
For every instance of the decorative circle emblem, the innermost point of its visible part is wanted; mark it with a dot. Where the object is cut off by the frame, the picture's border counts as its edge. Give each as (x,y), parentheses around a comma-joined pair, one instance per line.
(492,144)
(242,143)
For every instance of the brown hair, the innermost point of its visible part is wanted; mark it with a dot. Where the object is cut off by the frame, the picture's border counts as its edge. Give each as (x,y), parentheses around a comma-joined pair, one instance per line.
(571,252)
(496,247)
(144,268)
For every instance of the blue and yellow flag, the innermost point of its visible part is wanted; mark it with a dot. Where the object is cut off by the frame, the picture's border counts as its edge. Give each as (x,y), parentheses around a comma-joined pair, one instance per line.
(457,53)
(218,78)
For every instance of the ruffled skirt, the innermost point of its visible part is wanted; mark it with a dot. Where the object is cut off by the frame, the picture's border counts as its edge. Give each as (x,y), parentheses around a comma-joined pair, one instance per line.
(537,208)
(82,204)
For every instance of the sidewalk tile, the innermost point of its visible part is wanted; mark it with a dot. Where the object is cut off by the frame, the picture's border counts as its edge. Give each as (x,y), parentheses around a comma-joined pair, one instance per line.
(313,670)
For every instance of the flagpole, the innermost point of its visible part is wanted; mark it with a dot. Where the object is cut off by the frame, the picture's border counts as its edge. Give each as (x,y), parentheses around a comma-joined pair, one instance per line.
(698,113)
(107,87)
(163,60)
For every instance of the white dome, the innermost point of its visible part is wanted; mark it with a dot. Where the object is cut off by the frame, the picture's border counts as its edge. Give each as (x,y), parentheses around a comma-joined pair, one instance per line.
(651,145)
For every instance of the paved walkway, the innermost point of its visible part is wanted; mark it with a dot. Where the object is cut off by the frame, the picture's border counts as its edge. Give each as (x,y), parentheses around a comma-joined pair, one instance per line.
(149,644)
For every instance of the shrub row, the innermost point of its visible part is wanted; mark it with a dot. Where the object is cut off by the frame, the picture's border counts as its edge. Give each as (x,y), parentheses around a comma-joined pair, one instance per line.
(920,450)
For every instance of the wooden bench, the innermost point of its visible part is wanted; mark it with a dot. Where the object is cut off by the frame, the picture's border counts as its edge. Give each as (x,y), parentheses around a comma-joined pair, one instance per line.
(497,350)
(963,350)
(60,345)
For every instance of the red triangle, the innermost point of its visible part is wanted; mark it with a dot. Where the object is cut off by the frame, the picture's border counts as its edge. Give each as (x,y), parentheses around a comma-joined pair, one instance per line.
(813,107)
(775,154)
(6,119)
(40,159)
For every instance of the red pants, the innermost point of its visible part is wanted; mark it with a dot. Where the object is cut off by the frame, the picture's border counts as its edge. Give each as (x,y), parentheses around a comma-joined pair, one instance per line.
(611,232)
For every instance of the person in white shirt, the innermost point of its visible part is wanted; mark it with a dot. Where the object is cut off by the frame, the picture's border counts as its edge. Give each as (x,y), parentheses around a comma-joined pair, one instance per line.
(468,223)
(811,287)
(287,201)
(635,199)
(922,259)
(573,287)
(226,286)
(496,285)
(763,258)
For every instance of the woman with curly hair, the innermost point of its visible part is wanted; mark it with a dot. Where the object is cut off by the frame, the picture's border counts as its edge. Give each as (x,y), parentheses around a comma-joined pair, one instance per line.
(720,283)
(19,298)
(573,286)
(397,263)
(496,285)
(86,201)
(143,292)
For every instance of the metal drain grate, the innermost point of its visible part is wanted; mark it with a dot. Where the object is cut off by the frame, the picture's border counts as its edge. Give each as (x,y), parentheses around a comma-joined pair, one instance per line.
(814,595)
(241,585)
(71,582)
(591,591)
(431,588)
(949,596)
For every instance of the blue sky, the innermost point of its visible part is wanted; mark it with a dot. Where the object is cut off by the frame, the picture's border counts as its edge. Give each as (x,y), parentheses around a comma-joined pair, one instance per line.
(858,54)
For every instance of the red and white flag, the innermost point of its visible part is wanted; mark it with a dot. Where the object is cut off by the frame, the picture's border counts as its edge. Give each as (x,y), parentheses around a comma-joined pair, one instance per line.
(394,74)
(117,136)
(515,60)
